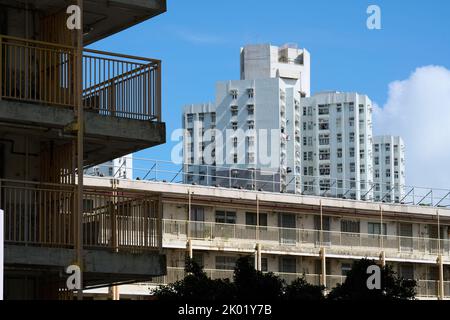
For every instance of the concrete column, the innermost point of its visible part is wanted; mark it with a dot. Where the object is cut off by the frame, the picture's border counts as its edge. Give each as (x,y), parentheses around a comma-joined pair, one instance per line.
(189,249)
(441,277)
(323,276)
(114,293)
(258,257)
(383,259)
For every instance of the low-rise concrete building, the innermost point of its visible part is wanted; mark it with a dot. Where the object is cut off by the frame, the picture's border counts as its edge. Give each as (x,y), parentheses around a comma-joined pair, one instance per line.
(295,236)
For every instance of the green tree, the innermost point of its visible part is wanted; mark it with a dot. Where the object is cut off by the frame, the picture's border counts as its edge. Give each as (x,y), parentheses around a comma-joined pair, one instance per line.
(248,284)
(355,286)
(196,286)
(256,285)
(300,289)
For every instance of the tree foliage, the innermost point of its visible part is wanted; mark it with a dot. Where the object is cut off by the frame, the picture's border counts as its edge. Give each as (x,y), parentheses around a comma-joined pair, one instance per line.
(355,286)
(250,284)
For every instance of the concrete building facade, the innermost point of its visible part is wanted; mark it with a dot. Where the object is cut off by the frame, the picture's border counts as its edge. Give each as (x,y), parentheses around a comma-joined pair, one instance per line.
(389,168)
(121,168)
(337,145)
(295,236)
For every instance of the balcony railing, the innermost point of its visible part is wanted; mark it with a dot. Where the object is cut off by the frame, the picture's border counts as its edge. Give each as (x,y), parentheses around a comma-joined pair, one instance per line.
(238,177)
(424,289)
(112,84)
(293,239)
(43,214)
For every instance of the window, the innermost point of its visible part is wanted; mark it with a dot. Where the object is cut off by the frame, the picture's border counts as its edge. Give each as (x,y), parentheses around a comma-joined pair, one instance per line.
(351,122)
(361,108)
(198,258)
(288,265)
(226,217)
(361,139)
(388,147)
(251,219)
(377,160)
(190,117)
(225,262)
(339,167)
(352,167)
(377,173)
(377,148)
(339,153)
(234,94)
(350,226)
(234,112)
(375,228)
(251,92)
(251,141)
(352,152)
(396,162)
(352,137)
(388,160)
(324,139)
(323,110)
(388,173)
(324,154)
(213,117)
(323,125)
(339,137)
(201,116)
(324,170)
(362,169)
(234,125)
(235,158)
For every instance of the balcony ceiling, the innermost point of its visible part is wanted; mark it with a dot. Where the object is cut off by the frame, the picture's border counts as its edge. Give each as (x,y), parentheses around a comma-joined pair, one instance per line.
(102,18)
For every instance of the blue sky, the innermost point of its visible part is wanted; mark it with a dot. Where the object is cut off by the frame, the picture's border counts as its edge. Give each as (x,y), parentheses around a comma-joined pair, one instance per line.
(199,40)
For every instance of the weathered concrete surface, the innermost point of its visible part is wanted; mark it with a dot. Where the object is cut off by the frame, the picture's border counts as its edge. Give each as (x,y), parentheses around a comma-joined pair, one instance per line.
(102,18)
(106,137)
(95,261)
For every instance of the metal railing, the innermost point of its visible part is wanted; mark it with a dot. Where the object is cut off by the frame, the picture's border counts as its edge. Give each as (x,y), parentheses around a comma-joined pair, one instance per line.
(43,214)
(292,238)
(424,289)
(112,84)
(269,181)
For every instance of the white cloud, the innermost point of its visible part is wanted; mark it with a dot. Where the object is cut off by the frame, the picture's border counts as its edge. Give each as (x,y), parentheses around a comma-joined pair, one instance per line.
(418,109)
(198,38)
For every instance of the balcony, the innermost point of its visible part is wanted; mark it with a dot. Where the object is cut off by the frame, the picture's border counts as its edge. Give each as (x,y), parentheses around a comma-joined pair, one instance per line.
(121,230)
(301,241)
(41,214)
(112,84)
(426,289)
(121,95)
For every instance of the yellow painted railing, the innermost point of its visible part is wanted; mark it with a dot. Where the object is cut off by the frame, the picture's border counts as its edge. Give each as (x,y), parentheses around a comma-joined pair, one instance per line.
(42,214)
(112,84)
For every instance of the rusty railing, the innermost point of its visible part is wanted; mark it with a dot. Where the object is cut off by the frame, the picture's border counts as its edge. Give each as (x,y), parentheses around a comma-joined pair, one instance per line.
(113,85)
(42,214)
